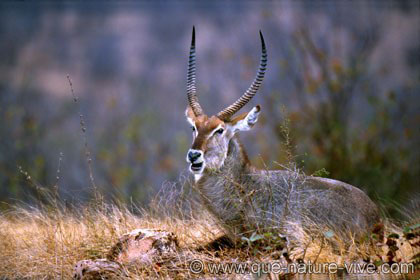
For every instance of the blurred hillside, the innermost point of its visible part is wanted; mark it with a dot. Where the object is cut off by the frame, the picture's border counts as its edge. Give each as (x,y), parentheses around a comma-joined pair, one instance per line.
(343,76)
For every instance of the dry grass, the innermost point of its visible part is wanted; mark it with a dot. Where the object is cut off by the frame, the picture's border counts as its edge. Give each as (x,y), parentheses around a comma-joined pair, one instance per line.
(38,244)
(46,243)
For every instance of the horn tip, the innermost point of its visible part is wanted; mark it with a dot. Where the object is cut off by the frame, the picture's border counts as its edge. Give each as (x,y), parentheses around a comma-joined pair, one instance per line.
(262,40)
(193,36)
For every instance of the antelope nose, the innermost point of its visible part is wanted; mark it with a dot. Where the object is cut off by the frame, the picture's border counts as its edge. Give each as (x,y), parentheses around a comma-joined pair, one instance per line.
(193,155)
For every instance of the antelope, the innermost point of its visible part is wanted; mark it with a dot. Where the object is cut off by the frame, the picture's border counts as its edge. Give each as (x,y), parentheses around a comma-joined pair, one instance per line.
(243,198)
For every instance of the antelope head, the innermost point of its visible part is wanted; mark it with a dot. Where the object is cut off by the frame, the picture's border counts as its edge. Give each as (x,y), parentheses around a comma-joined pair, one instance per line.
(211,135)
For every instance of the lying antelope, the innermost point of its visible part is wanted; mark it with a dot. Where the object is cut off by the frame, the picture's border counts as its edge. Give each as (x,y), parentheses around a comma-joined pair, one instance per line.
(244,198)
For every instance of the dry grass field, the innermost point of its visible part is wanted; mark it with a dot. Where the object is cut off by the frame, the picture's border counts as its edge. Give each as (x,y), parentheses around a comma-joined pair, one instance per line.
(46,242)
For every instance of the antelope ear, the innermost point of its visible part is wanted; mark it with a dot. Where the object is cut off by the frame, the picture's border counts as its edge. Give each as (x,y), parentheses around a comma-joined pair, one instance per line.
(246,121)
(189,113)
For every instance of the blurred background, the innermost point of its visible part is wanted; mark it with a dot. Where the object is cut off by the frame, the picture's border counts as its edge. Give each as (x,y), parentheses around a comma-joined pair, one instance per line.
(343,76)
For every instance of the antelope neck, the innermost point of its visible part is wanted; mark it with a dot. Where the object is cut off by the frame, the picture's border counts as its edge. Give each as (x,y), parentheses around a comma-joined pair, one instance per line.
(235,165)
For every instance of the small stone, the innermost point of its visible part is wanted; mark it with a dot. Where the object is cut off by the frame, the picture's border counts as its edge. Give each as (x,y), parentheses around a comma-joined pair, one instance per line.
(98,269)
(143,246)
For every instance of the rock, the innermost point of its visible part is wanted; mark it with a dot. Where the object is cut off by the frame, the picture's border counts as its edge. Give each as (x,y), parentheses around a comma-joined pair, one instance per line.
(98,269)
(143,246)
(139,247)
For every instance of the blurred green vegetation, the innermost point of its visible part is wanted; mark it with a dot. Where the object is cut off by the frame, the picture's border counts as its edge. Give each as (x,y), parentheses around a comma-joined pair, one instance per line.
(344,130)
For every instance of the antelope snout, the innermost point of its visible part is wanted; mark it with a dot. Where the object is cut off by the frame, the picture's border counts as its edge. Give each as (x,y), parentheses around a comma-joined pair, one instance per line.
(194,155)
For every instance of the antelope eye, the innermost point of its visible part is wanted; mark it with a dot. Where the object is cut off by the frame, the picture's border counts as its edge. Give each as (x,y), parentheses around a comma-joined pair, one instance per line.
(193,128)
(219,131)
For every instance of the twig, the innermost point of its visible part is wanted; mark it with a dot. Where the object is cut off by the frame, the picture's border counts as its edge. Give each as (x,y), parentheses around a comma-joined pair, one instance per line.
(305,250)
(86,148)
(285,129)
(57,177)
(40,190)
(320,249)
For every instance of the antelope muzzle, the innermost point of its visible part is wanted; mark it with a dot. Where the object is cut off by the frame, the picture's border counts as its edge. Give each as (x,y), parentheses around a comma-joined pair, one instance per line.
(196,160)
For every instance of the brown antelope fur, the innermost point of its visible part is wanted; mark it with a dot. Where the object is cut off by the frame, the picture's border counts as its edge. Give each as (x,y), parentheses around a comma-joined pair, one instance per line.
(245,199)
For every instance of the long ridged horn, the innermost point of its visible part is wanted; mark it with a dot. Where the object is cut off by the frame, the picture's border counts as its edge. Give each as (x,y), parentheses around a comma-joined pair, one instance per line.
(227,113)
(191,90)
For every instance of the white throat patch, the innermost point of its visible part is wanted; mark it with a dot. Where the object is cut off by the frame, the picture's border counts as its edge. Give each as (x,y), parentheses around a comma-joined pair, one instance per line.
(197,177)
